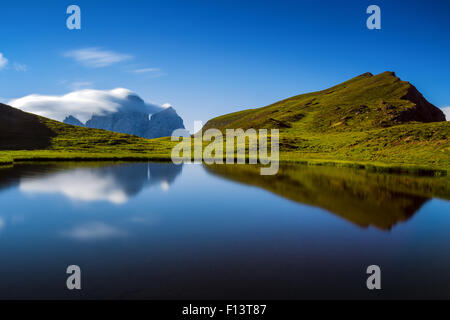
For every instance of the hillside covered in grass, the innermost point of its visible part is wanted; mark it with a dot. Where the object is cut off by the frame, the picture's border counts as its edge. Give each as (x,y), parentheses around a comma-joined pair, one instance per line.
(376,119)
(367,121)
(25,136)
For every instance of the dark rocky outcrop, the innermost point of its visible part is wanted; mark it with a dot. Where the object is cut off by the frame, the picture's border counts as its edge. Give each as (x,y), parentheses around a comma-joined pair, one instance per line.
(423,111)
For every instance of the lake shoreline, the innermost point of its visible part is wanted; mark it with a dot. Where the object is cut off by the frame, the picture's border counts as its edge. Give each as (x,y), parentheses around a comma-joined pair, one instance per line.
(381,167)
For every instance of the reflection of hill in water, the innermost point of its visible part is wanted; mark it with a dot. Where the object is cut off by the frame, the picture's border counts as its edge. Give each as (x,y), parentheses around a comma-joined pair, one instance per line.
(362,197)
(90,181)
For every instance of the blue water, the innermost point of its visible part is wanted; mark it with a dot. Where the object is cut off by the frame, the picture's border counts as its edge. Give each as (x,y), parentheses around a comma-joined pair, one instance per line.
(159,231)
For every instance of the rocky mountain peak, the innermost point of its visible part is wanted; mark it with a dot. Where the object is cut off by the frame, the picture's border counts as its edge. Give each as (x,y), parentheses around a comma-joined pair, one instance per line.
(135,121)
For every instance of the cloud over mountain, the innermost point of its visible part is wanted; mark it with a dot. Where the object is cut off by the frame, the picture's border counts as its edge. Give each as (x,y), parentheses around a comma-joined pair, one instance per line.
(83,104)
(446,111)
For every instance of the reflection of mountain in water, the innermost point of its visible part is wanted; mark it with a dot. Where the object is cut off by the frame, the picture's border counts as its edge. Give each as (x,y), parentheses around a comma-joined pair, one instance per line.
(115,183)
(133,177)
(362,197)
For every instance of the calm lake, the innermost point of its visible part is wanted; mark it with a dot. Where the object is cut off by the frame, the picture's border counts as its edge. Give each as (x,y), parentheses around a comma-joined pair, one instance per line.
(165,231)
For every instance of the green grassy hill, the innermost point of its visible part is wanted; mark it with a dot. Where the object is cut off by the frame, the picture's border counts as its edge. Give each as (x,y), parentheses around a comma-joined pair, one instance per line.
(377,119)
(367,121)
(25,136)
(362,103)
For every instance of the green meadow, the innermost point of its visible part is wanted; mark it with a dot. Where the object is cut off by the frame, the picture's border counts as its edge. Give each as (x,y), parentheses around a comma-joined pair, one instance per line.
(374,122)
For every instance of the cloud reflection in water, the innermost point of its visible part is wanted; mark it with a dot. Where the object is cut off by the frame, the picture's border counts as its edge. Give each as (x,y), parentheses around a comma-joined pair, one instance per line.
(115,184)
(94,231)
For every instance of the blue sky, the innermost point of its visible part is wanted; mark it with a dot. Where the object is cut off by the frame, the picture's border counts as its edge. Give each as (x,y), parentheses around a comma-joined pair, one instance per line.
(207,58)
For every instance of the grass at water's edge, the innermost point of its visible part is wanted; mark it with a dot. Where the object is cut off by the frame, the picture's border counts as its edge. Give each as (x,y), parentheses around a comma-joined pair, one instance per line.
(6,161)
(9,158)
(420,149)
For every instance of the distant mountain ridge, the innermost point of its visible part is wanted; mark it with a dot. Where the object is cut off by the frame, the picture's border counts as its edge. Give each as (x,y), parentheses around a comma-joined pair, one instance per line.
(73,121)
(160,124)
(118,110)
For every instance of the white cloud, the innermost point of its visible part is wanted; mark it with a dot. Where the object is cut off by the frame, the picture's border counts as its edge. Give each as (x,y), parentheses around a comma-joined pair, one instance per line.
(97,57)
(19,67)
(79,185)
(446,111)
(94,231)
(3,61)
(149,72)
(82,104)
(146,70)
(166,105)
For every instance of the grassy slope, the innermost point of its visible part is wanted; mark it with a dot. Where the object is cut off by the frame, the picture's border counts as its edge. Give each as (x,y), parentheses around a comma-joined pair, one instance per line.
(357,121)
(354,122)
(79,143)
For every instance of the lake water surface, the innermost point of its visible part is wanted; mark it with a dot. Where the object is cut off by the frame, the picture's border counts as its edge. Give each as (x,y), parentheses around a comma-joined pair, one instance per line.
(165,231)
